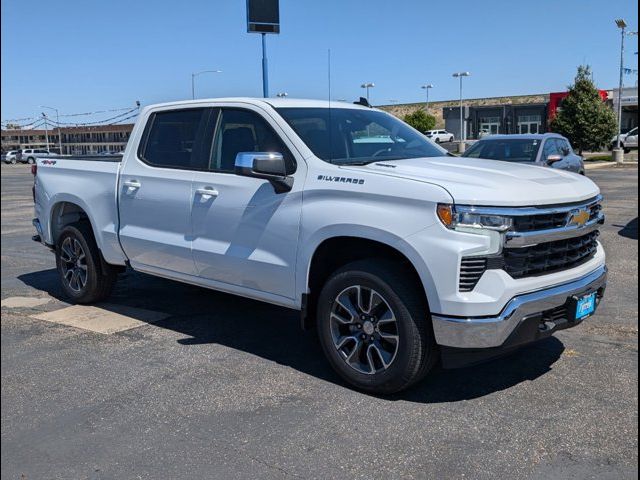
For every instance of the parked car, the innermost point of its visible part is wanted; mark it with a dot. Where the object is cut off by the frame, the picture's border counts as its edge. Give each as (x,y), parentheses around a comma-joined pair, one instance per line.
(628,141)
(398,254)
(11,156)
(440,136)
(29,155)
(485,132)
(546,150)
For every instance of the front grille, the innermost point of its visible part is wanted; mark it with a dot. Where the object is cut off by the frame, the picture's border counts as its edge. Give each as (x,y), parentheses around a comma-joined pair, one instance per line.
(550,257)
(471,269)
(549,221)
(531,223)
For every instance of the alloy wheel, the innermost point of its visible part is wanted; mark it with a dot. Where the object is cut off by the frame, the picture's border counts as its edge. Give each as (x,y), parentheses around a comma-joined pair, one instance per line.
(74,264)
(364,329)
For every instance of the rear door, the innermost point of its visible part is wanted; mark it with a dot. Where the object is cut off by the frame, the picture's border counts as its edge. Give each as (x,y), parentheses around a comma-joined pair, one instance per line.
(155,190)
(244,233)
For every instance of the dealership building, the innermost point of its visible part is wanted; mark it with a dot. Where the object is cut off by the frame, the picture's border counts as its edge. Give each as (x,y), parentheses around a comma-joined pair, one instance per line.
(513,114)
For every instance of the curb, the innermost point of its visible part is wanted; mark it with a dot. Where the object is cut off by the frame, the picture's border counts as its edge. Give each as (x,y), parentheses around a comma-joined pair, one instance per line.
(598,165)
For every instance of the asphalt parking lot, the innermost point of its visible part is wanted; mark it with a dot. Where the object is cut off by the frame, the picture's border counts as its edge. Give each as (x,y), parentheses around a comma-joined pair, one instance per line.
(223,387)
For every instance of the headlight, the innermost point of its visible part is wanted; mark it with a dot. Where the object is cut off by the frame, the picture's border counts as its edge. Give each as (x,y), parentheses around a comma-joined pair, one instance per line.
(465,218)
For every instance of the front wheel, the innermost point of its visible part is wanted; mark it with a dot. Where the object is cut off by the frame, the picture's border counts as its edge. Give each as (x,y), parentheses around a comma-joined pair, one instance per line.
(374,327)
(84,276)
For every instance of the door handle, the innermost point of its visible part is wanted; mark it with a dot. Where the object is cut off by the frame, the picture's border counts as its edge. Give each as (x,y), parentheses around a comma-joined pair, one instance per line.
(207,192)
(132,184)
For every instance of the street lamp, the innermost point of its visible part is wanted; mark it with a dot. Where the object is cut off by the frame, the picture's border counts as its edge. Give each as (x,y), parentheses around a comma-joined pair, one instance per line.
(193,80)
(368,85)
(427,87)
(463,129)
(58,124)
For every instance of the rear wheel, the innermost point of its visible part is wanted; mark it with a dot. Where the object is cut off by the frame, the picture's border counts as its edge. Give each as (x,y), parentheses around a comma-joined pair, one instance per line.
(374,327)
(85,277)
(31,160)
(437,139)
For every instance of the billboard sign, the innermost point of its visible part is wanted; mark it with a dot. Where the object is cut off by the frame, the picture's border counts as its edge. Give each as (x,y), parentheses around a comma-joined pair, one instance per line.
(263,16)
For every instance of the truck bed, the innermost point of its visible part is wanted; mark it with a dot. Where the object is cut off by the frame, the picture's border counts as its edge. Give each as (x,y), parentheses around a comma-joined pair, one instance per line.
(89,182)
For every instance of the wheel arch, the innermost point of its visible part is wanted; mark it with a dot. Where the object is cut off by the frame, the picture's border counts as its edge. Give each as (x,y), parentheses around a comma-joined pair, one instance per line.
(334,251)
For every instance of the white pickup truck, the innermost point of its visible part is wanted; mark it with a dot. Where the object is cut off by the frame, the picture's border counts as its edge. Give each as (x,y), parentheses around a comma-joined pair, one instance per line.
(398,253)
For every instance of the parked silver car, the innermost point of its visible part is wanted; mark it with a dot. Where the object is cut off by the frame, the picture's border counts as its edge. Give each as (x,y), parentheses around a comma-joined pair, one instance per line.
(11,156)
(628,141)
(547,150)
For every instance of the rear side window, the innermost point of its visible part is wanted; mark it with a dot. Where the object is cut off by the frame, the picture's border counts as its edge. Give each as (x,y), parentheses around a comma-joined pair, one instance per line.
(173,138)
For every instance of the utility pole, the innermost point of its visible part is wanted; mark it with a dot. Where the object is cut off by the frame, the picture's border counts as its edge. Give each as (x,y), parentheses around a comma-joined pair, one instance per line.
(618,153)
(58,123)
(46,129)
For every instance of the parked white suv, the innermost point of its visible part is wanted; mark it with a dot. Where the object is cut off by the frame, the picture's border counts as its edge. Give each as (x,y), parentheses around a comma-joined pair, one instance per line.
(29,155)
(440,136)
(398,254)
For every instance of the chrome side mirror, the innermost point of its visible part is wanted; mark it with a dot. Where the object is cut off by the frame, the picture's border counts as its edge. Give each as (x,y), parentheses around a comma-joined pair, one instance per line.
(269,166)
(551,159)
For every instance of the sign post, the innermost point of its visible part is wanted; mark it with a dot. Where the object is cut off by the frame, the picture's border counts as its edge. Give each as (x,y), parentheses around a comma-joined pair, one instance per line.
(263,17)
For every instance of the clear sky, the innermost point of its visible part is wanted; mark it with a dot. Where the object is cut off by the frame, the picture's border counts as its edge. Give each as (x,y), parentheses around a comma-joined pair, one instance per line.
(85,55)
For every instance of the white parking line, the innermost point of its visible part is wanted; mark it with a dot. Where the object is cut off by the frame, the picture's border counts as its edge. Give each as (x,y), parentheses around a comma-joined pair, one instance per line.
(24,302)
(106,318)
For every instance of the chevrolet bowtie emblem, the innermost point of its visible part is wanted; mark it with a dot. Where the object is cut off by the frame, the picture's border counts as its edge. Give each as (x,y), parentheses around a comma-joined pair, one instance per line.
(579,218)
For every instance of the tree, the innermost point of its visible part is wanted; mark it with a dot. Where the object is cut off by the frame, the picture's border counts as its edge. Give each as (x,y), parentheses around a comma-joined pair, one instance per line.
(584,118)
(420,120)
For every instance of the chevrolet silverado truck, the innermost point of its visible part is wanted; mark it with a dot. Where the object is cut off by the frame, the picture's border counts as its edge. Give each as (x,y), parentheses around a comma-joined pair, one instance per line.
(399,254)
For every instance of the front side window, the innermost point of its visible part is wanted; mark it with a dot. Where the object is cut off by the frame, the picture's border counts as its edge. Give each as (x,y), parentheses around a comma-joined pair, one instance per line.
(244,131)
(357,136)
(510,150)
(550,148)
(171,139)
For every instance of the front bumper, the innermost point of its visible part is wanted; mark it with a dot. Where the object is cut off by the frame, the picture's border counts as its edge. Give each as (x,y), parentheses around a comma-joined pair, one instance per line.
(492,332)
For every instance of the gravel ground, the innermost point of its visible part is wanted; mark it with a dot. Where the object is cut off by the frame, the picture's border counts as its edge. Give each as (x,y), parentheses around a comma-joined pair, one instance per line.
(230,388)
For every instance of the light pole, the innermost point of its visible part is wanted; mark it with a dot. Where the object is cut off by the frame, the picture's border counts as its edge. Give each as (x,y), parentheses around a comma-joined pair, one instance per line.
(463,129)
(368,85)
(193,80)
(427,87)
(58,124)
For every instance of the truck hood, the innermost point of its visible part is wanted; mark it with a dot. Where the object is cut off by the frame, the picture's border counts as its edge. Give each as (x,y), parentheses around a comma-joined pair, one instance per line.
(472,181)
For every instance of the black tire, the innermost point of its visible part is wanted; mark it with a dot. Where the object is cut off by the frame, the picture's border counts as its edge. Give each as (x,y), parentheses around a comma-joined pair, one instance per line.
(416,350)
(31,160)
(100,276)
(437,139)
(451,139)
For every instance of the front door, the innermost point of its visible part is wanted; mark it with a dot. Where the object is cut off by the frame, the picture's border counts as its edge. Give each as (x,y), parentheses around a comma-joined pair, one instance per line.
(155,191)
(244,233)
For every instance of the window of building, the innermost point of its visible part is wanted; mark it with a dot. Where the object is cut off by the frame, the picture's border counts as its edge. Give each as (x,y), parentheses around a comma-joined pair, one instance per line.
(529,123)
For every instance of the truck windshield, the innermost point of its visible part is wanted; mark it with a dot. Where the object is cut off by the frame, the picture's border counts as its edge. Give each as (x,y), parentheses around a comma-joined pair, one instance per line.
(356,136)
(510,150)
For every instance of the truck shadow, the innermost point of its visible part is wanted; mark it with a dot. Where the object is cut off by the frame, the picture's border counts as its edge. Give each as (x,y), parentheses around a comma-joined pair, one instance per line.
(207,317)
(630,230)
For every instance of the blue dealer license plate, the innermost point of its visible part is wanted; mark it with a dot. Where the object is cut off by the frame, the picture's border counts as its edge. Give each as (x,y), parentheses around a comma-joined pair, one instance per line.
(586,306)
